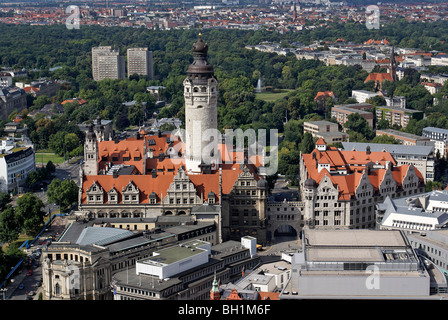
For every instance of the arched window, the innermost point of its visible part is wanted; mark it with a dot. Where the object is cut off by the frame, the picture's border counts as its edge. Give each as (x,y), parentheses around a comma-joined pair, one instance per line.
(57,289)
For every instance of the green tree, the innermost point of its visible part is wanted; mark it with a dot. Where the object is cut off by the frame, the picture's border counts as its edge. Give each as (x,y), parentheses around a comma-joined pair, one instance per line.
(40,102)
(382,124)
(29,213)
(307,145)
(5,198)
(385,139)
(9,226)
(358,124)
(63,193)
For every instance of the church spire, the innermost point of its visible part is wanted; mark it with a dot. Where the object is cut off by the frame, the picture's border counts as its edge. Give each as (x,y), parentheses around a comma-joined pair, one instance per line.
(214,292)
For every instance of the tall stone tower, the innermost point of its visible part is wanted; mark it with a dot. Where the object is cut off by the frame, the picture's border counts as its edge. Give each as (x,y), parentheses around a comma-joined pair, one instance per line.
(91,153)
(201,102)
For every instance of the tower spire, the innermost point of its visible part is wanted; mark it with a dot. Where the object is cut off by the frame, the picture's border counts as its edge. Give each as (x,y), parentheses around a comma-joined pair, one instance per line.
(214,292)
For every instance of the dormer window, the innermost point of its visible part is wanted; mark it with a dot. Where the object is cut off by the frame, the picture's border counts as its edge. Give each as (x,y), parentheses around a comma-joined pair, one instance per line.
(113,196)
(95,194)
(131,194)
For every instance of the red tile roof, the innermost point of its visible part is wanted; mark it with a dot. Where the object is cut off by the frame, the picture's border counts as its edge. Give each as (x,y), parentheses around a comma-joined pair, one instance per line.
(379,77)
(80,101)
(165,168)
(354,163)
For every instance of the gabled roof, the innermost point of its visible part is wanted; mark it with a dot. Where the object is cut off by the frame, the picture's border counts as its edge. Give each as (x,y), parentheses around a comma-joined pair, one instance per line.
(320,142)
(354,163)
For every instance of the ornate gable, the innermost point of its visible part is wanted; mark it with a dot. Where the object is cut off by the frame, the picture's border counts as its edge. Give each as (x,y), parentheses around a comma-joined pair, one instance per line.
(95,193)
(131,193)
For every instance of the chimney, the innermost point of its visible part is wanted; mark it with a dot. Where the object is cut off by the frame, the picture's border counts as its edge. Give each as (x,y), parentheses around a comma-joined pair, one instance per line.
(154,173)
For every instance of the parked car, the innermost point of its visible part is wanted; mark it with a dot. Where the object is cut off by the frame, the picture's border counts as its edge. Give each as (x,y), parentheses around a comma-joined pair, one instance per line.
(21,286)
(29,273)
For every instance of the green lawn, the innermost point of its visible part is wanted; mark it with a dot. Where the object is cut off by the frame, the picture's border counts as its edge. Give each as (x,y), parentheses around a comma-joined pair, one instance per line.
(270,96)
(44,157)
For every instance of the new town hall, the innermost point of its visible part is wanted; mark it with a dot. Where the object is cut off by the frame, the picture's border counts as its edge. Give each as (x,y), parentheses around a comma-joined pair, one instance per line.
(157,196)
(158,175)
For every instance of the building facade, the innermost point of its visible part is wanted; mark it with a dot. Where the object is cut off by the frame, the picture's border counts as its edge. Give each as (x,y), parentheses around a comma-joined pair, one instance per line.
(433,246)
(327,130)
(82,263)
(107,64)
(439,137)
(405,138)
(140,62)
(194,267)
(340,188)
(417,213)
(361,264)
(341,112)
(397,115)
(17,160)
(11,99)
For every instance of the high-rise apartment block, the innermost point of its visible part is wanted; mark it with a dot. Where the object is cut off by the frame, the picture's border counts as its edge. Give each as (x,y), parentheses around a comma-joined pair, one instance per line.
(107,63)
(140,62)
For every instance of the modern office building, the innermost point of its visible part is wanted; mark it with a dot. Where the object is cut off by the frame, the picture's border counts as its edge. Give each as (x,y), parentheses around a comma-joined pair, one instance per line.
(186,271)
(433,245)
(360,264)
(327,130)
(396,101)
(421,212)
(439,136)
(341,112)
(140,62)
(397,115)
(17,160)
(405,138)
(107,63)
(363,95)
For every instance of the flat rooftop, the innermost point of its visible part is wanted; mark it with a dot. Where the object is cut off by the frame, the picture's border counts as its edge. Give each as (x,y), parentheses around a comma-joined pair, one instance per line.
(347,255)
(176,253)
(355,238)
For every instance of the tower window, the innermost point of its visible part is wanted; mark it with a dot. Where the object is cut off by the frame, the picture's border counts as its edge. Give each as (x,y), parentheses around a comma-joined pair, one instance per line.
(203,89)
(200,107)
(195,89)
